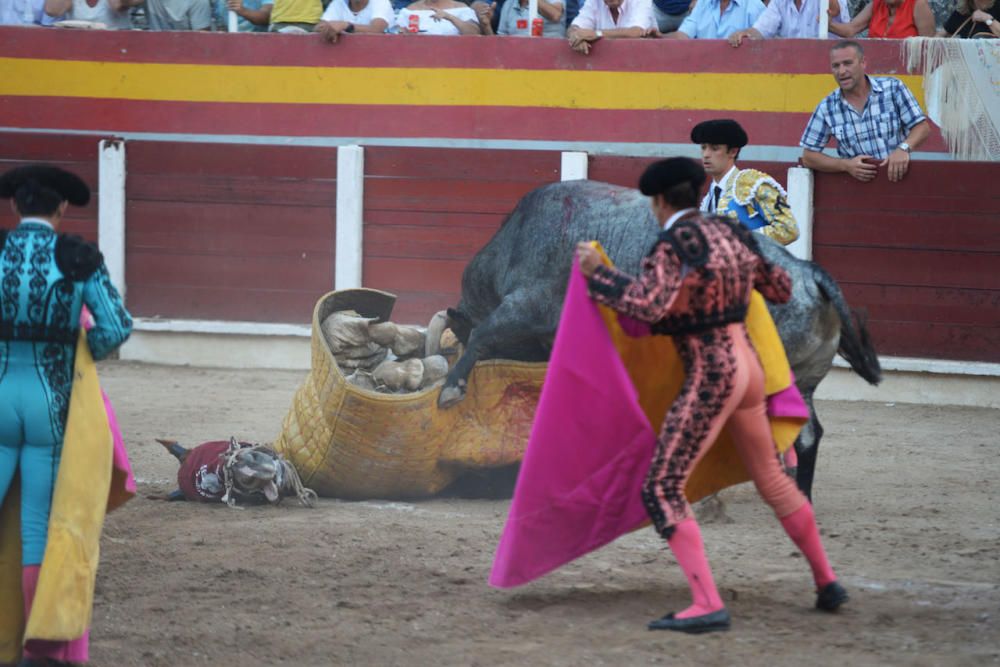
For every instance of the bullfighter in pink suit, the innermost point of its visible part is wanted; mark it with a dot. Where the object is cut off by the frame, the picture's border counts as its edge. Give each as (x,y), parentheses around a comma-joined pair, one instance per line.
(695,286)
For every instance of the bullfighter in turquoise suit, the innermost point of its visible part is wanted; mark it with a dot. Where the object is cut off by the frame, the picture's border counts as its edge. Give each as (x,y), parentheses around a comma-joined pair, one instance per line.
(45,279)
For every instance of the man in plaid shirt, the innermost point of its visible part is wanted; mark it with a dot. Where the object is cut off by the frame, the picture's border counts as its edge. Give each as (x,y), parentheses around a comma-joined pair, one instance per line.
(876,122)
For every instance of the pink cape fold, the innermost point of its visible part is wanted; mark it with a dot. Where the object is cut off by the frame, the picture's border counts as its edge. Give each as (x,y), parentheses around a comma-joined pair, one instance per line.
(788,402)
(122,480)
(587,456)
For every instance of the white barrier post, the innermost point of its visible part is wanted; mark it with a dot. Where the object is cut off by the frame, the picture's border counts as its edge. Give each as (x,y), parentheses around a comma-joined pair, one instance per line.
(574,166)
(824,18)
(350,210)
(532,15)
(234,21)
(800,198)
(111,208)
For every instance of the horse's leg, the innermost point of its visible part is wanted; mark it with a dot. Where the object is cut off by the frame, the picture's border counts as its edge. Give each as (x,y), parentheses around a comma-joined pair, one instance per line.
(807,447)
(513,330)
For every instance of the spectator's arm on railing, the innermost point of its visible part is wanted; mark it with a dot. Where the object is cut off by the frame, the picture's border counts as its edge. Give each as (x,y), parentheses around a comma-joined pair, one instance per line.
(553,11)
(260,16)
(856,25)
(484,12)
(464,27)
(56,8)
(923,18)
(857,166)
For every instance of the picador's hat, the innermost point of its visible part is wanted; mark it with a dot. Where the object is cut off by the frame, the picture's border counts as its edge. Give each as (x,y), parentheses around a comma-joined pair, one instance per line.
(665,174)
(720,131)
(67,185)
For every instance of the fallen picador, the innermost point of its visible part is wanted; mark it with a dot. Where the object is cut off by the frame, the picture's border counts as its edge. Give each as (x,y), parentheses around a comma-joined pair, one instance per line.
(234,472)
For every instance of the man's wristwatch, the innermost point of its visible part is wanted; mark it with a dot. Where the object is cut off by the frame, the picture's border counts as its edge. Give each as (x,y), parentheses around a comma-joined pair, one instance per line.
(349,28)
(988,22)
(904,146)
(598,34)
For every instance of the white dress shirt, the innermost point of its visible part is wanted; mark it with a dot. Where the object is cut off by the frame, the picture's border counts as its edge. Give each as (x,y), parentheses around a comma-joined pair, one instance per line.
(675,217)
(340,10)
(595,15)
(783,19)
(708,203)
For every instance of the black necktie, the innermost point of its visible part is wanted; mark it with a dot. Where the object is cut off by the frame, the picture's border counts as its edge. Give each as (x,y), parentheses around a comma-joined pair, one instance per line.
(716,192)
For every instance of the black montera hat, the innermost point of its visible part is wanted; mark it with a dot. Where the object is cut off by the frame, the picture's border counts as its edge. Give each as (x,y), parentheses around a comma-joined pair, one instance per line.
(67,185)
(664,174)
(720,131)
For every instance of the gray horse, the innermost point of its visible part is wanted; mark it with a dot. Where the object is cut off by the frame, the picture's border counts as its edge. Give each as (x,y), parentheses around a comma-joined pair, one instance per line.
(513,289)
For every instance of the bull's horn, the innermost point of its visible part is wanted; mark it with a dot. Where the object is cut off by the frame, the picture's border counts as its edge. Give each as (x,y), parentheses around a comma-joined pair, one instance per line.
(436,327)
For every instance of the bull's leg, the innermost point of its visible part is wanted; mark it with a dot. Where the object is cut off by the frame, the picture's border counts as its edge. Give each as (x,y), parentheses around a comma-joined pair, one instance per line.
(807,447)
(516,324)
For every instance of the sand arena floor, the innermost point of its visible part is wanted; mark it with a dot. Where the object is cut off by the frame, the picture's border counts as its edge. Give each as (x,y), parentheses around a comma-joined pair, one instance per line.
(907,497)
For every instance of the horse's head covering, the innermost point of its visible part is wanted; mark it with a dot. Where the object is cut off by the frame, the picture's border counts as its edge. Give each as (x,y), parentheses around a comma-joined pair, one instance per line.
(67,185)
(725,131)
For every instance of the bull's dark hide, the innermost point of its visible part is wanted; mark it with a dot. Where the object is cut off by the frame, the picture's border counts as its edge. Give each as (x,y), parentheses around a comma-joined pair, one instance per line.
(513,289)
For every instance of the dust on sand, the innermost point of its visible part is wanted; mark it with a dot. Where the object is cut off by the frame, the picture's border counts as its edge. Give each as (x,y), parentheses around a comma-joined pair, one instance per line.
(906,495)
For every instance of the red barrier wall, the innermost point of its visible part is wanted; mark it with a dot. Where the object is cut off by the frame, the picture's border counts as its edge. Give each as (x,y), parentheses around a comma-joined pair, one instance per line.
(238,232)
(427,211)
(229,232)
(921,256)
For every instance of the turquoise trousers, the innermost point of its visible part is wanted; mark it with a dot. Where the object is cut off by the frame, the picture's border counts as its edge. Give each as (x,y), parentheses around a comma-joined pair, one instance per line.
(30,445)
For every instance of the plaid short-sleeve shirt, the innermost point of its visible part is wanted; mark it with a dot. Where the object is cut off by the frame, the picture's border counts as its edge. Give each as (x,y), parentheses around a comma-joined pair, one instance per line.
(888,116)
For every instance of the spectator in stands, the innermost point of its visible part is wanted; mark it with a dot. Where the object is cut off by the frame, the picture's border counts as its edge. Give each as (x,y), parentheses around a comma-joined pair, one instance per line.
(669,14)
(718,19)
(611,19)
(877,121)
(23,12)
(438,17)
(251,15)
(890,19)
(514,19)
(346,16)
(179,14)
(488,15)
(113,14)
(790,18)
(974,18)
(295,15)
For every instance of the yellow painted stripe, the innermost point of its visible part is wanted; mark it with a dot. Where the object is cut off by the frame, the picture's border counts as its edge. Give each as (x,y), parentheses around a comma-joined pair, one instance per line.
(419,86)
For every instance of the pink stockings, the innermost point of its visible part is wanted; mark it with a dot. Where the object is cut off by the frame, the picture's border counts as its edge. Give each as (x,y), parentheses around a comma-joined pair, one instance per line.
(801,527)
(690,554)
(739,382)
(75,651)
(689,550)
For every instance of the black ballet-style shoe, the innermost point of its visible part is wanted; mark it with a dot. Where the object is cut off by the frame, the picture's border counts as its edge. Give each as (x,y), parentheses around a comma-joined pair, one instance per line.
(831,596)
(713,622)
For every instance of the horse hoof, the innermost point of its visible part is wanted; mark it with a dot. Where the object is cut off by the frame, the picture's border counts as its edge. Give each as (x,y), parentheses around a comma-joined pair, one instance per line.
(450,396)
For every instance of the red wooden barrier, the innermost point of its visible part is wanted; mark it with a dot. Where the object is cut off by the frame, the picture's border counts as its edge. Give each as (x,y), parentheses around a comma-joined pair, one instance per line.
(229,232)
(428,211)
(922,256)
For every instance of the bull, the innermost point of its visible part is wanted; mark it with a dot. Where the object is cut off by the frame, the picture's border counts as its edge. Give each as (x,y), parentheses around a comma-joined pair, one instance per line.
(513,290)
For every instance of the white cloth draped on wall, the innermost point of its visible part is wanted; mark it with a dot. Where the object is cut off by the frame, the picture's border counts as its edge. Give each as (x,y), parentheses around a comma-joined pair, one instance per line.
(961,92)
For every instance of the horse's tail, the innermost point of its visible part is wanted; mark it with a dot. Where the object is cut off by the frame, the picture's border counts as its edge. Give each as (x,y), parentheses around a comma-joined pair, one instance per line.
(855,342)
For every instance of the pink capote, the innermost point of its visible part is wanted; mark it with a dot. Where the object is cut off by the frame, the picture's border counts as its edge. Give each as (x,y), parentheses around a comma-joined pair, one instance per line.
(589,451)
(122,479)
(587,456)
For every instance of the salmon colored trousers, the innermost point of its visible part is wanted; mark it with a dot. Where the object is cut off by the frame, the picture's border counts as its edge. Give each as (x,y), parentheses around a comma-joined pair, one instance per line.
(724,389)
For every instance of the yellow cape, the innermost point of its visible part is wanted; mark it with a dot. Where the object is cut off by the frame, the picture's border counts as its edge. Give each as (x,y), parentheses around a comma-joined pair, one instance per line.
(657,373)
(64,598)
